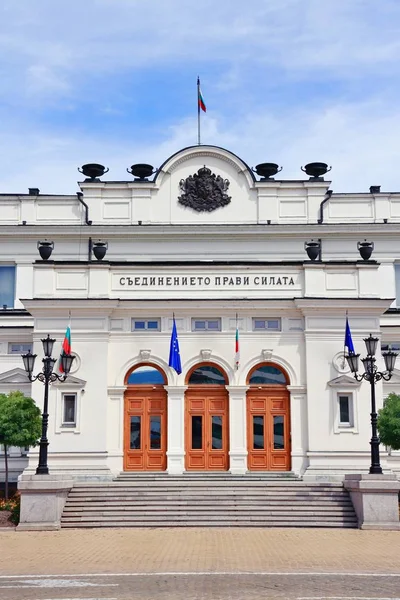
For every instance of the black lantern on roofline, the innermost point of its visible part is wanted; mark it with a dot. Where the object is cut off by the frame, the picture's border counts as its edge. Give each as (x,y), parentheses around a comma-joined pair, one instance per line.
(93,171)
(316,170)
(313,249)
(267,170)
(365,249)
(45,249)
(100,249)
(141,171)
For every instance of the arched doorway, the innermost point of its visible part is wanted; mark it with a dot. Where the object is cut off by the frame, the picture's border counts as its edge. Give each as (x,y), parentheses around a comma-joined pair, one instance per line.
(207,419)
(268,419)
(145,419)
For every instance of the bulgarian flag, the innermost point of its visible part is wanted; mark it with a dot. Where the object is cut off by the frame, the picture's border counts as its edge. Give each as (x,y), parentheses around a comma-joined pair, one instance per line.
(237,350)
(200,97)
(66,345)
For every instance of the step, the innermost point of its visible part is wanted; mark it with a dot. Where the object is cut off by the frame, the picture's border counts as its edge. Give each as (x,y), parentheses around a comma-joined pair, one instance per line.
(207,482)
(205,502)
(173,524)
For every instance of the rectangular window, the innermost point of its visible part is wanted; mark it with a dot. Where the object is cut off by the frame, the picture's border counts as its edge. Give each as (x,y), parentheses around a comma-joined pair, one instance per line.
(258,432)
(346,418)
(7,287)
(206,324)
(155,432)
(197,432)
(216,432)
(69,409)
(135,433)
(260,324)
(146,324)
(18,348)
(395,346)
(279,434)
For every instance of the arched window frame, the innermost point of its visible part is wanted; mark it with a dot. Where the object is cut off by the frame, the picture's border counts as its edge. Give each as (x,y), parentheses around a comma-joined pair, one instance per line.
(206,364)
(145,364)
(268,364)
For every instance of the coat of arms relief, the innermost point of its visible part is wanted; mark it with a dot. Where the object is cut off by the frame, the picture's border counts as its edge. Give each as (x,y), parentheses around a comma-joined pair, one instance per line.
(204,191)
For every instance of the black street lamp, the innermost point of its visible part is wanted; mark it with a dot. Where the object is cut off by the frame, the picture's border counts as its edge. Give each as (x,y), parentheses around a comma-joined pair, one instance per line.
(46,376)
(372,375)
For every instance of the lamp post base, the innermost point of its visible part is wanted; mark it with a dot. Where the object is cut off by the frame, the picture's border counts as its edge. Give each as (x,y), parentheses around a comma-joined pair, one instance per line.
(42,471)
(42,501)
(375,500)
(376,470)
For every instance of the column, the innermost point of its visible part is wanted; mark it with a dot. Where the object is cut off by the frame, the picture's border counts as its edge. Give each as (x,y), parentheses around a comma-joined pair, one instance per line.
(298,428)
(176,428)
(115,429)
(237,429)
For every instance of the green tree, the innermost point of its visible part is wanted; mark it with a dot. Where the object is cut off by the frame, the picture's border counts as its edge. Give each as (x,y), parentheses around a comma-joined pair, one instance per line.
(20,424)
(389,421)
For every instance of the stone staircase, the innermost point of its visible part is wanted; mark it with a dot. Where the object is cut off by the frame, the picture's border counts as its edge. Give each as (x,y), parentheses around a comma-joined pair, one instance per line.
(208,500)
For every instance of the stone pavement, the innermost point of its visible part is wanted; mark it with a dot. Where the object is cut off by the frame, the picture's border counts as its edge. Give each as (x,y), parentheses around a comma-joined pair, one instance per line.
(187,550)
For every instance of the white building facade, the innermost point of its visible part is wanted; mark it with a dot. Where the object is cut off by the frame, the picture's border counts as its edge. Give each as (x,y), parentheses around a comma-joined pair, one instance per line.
(209,242)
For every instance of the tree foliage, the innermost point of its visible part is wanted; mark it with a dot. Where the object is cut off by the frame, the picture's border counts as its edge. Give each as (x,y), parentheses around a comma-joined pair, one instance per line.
(389,422)
(20,424)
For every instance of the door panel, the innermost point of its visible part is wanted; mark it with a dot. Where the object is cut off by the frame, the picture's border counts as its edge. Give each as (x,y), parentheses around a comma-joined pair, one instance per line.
(268,435)
(207,429)
(145,429)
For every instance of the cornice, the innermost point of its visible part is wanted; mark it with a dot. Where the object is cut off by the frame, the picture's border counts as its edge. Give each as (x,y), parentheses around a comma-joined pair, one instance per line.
(79,230)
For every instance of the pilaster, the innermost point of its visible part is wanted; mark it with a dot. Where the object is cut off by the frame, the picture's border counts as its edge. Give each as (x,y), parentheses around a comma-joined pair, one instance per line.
(115,428)
(298,428)
(176,428)
(237,428)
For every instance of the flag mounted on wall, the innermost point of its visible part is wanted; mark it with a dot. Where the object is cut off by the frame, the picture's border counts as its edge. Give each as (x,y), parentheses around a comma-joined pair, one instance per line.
(66,345)
(348,341)
(174,355)
(237,349)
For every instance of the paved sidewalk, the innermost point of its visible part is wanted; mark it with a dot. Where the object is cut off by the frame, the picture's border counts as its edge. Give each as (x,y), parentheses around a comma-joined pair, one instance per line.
(198,550)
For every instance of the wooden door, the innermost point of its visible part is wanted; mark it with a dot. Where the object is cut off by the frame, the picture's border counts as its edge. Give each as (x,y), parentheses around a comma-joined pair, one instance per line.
(145,429)
(268,429)
(207,429)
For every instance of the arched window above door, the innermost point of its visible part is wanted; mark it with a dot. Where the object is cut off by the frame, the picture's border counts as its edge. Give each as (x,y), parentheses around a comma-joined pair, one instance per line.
(207,374)
(267,375)
(146,375)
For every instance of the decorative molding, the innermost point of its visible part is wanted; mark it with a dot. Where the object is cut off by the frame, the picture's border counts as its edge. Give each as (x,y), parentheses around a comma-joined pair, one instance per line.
(145,354)
(344,381)
(16,375)
(205,354)
(339,363)
(266,354)
(71,381)
(203,153)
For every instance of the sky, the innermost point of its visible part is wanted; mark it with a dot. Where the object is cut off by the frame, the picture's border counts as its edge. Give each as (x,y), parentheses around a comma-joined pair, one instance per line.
(114,82)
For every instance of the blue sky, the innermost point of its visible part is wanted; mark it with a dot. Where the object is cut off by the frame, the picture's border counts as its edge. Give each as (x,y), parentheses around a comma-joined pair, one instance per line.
(114,81)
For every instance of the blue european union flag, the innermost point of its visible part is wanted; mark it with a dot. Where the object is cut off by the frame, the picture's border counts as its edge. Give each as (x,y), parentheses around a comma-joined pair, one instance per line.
(174,356)
(348,342)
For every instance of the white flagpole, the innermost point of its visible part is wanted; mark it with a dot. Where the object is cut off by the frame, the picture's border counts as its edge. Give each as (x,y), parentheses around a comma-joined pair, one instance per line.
(198,111)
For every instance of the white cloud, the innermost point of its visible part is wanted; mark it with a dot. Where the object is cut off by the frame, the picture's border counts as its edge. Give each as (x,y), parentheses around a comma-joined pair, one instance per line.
(359,141)
(64,57)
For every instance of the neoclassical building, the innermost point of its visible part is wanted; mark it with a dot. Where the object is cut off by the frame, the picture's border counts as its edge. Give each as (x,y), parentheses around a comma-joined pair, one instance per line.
(221,248)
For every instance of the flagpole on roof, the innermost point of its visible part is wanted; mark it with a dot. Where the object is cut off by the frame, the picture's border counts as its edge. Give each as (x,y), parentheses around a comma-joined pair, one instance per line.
(198,111)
